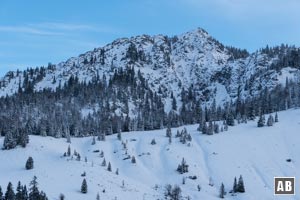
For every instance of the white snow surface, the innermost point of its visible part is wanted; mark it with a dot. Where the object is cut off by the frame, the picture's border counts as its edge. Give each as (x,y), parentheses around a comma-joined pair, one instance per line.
(258,154)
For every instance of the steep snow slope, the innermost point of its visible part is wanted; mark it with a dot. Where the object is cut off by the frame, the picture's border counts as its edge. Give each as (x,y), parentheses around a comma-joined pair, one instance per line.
(193,59)
(258,154)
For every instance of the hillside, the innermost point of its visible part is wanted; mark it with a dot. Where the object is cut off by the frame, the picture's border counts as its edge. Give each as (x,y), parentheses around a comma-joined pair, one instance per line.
(147,83)
(258,154)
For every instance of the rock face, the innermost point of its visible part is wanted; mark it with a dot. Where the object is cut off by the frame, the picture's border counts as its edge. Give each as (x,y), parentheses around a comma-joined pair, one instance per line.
(193,60)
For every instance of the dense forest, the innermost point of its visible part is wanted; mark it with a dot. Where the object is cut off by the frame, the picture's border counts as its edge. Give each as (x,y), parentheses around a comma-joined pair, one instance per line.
(122,102)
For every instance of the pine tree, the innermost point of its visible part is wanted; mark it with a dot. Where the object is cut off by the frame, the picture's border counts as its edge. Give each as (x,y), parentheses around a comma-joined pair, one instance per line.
(9,194)
(33,190)
(94,140)
(1,193)
(260,122)
(235,188)
(61,197)
(270,120)
(153,142)
(119,136)
(230,119)
(9,141)
(276,117)
(210,128)
(68,136)
(204,128)
(43,196)
(98,196)
(24,193)
(109,167)
(69,151)
(133,159)
(222,191)
(168,132)
(19,195)
(84,187)
(240,185)
(176,193)
(103,162)
(29,163)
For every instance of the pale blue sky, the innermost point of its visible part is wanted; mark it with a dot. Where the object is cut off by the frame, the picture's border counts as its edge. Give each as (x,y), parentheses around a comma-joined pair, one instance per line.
(34,32)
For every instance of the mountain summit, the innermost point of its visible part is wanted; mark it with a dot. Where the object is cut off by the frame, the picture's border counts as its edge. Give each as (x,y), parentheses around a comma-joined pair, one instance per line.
(150,82)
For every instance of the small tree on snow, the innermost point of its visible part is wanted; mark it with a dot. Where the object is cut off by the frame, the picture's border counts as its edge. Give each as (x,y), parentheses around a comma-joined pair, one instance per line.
(109,167)
(103,162)
(119,136)
(69,151)
(133,159)
(93,140)
(84,187)
(276,117)
(240,185)
(222,191)
(98,196)
(168,132)
(29,163)
(183,167)
(153,142)
(261,121)
(1,193)
(270,121)
(235,188)
(61,197)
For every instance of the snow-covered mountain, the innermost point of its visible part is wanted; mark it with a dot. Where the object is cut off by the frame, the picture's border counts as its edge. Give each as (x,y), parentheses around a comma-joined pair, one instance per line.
(258,154)
(193,59)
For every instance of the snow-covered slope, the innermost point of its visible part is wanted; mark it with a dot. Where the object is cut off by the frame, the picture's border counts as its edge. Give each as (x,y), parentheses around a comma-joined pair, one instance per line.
(258,154)
(169,64)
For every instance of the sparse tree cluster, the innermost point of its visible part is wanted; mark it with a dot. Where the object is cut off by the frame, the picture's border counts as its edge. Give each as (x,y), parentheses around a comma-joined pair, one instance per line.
(183,167)
(173,192)
(21,192)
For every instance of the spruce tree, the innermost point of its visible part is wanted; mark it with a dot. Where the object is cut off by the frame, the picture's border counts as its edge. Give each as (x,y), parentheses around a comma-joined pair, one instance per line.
(133,159)
(276,117)
(109,167)
(1,193)
(29,163)
(240,185)
(270,120)
(24,193)
(119,136)
(204,128)
(61,197)
(103,162)
(19,195)
(69,151)
(94,140)
(43,196)
(98,196)
(235,188)
(9,141)
(230,119)
(84,187)
(260,122)
(9,194)
(222,191)
(168,132)
(153,142)
(33,190)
